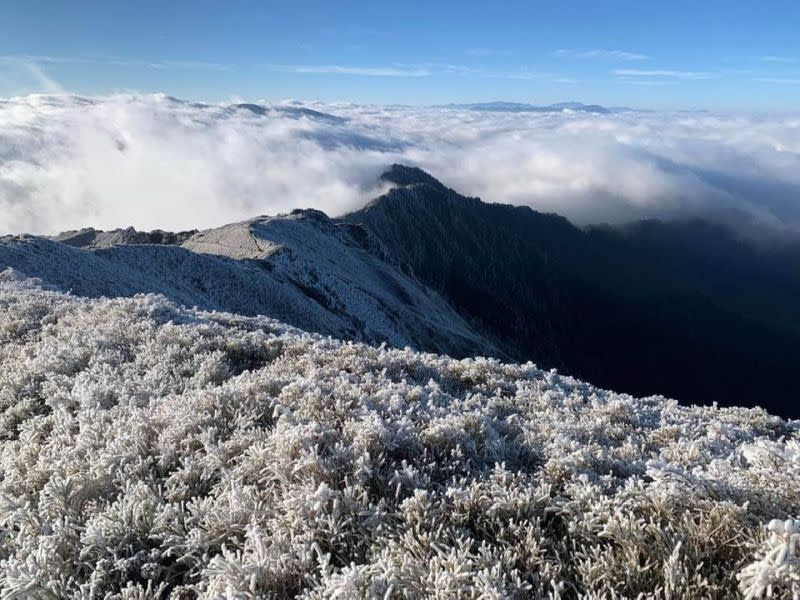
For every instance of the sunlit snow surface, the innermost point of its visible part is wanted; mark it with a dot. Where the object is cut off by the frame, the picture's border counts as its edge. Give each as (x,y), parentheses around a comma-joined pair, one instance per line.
(149,450)
(303,269)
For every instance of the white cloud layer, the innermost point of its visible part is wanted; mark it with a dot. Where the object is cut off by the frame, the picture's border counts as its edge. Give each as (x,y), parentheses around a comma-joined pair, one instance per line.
(153,162)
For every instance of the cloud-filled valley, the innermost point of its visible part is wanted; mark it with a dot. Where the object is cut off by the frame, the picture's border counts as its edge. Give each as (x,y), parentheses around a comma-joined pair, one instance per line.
(156,162)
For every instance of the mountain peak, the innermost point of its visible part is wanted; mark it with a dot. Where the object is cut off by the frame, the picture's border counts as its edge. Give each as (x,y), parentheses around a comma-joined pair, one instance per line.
(403,175)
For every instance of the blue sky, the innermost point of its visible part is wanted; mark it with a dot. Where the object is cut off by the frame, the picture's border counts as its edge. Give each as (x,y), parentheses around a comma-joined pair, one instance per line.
(711,54)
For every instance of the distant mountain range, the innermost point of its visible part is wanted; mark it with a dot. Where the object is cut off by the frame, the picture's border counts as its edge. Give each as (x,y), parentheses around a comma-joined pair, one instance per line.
(550,108)
(289,111)
(683,309)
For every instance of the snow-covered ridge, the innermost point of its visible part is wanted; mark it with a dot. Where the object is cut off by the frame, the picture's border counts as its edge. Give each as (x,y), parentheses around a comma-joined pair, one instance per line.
(93,238)
(303,268)
(152,451)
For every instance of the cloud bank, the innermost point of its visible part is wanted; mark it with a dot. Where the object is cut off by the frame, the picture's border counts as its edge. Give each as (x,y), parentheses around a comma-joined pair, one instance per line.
(157,162)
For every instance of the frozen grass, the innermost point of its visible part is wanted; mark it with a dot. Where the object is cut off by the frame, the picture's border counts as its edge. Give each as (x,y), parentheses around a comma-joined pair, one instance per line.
(150,451)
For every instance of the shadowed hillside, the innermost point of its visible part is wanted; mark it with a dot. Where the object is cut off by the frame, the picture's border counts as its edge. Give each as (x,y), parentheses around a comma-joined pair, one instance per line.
(626,308)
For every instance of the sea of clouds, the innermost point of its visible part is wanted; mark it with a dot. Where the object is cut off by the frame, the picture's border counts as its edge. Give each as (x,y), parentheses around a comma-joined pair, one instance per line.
(152,161)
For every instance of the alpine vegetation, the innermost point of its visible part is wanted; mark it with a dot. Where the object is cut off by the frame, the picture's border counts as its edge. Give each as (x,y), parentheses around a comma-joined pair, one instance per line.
(153,451)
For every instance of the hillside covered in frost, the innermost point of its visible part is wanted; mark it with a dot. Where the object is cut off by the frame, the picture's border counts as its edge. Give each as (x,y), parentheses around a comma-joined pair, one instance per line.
(426,267)
(153,451)
(303,268)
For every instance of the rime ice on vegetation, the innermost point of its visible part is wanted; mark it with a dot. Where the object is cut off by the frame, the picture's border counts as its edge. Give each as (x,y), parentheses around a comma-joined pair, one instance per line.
(153,451)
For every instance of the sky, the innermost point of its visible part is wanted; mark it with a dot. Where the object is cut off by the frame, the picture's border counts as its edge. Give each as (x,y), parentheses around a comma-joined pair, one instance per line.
(663,55)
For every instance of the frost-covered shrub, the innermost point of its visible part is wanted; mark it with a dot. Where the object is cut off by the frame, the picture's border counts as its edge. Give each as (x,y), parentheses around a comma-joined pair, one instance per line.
(154,451)
(779,567)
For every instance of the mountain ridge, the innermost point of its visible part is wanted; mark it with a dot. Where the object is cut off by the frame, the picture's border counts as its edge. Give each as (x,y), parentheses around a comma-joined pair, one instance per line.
(424,266)
(302,268)
(601,302)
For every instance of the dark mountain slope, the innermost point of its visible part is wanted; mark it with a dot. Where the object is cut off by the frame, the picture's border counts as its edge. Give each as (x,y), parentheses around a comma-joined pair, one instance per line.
(681,309)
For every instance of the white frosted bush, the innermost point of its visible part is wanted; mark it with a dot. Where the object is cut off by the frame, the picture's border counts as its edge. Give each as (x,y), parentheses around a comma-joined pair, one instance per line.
(154,451)
(778,570)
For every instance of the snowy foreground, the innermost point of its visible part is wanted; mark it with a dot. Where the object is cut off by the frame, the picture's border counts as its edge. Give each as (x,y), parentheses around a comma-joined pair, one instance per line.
(153,451)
